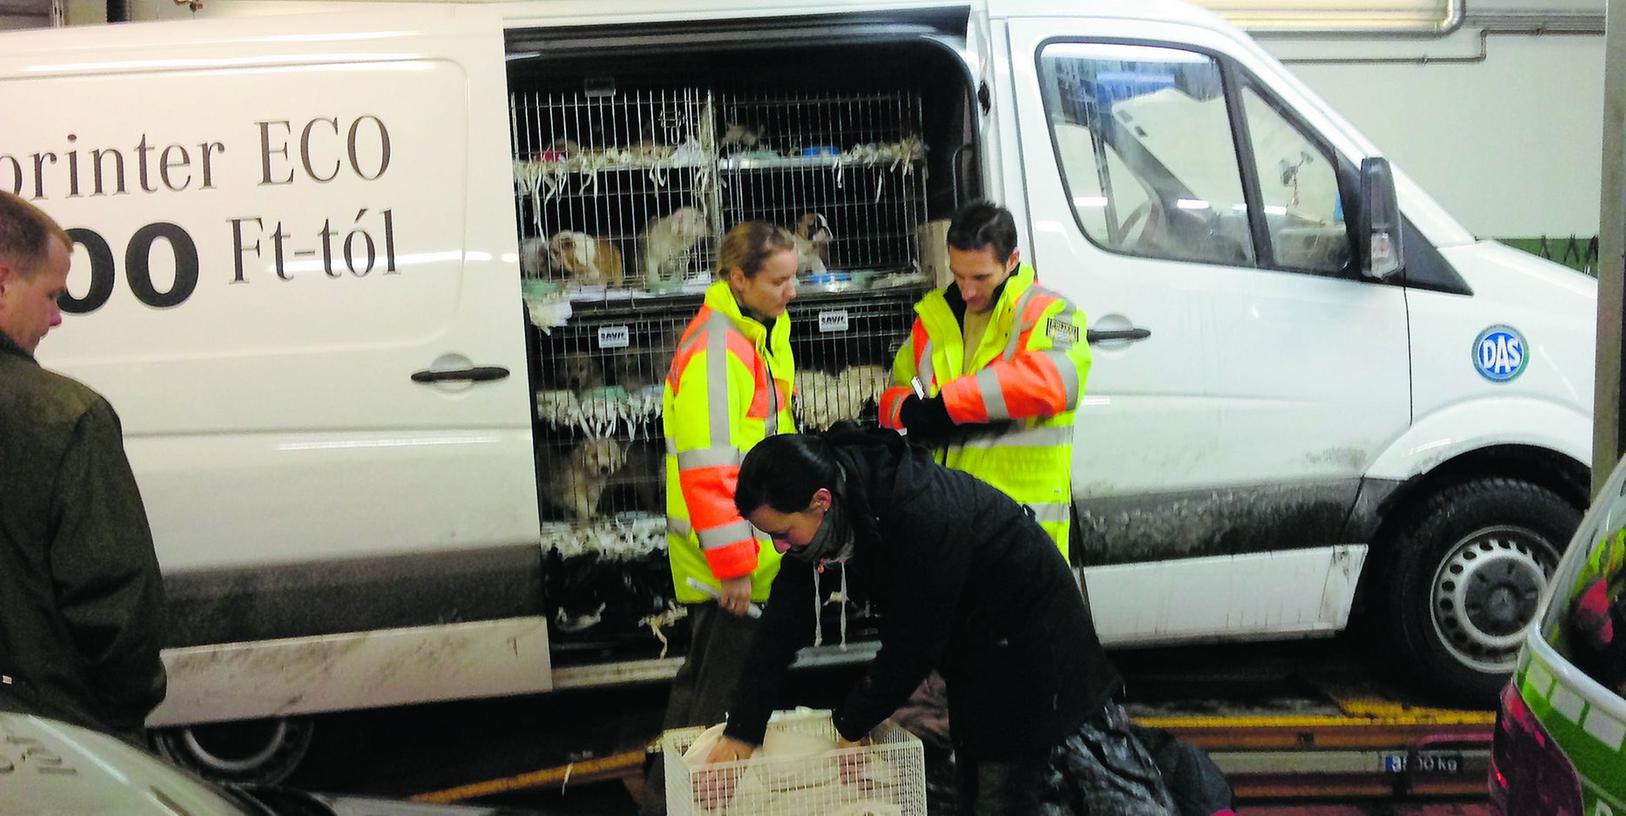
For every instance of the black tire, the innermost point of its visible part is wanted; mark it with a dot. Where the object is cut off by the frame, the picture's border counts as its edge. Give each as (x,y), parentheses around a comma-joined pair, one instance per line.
(314,753)
(1463,580)
(264,752)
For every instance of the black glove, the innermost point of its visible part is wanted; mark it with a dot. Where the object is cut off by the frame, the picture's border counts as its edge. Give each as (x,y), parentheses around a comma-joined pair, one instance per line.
(927,419)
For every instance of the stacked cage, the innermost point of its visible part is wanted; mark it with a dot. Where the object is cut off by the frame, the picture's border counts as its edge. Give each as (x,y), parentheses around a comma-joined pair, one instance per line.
(622,199)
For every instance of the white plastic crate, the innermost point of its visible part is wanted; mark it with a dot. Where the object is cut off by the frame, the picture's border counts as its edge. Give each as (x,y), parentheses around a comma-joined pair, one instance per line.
(885,778)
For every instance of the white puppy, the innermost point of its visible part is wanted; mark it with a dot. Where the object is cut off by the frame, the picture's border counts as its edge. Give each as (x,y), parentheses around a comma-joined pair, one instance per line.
(669,244)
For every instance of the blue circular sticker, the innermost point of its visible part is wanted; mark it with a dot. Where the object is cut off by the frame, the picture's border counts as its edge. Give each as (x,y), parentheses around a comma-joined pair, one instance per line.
(1500,353)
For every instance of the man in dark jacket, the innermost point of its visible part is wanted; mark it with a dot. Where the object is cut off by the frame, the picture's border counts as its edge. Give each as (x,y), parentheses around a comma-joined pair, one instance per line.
(970,584)
(81,599)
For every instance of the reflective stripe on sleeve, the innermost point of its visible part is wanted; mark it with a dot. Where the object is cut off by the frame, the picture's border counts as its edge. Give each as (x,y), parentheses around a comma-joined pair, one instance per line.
(923,367)
(1069,373)
(993,398)
(727,534)
(715,456)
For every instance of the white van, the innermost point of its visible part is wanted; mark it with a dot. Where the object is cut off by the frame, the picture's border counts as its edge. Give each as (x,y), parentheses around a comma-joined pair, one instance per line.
(382,296)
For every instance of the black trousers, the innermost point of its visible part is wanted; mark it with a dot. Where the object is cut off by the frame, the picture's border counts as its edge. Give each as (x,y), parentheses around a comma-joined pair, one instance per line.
(705,683)
(1100,769)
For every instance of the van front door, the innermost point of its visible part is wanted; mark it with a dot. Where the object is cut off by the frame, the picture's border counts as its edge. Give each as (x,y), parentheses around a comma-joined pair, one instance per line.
(1245,374)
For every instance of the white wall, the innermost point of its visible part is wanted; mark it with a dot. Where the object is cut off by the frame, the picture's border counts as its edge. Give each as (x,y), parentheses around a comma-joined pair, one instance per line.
(1508,145)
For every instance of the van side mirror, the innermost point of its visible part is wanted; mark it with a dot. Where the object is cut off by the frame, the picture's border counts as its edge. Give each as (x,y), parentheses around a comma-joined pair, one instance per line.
(1379,224)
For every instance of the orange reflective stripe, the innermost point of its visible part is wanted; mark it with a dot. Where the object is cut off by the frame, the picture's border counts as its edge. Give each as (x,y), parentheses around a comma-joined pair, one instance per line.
(691,343)
(963,399)
(782,390)
(1032,385)
(919,339)
(734,560)
(921,342)
(1036,306)
(708,492)
(741,347)
(892,407)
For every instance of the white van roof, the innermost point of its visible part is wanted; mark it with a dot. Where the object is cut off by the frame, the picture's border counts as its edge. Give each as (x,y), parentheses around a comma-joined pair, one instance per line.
(546,12)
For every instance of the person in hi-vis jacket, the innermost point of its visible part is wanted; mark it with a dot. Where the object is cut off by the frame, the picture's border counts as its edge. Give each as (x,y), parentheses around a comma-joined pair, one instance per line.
(728,388)
(993,369)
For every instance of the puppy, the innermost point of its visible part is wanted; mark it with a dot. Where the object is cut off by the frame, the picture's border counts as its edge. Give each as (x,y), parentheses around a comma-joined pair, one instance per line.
(580,373)
(643,475)
(669,244)
(577,486)
(739,137)
(812,237)
(814,228)
(535,259)
(816,395)
(589,260)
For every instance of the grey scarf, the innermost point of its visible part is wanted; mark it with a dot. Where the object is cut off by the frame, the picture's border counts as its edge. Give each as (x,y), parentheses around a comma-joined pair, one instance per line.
(834,540)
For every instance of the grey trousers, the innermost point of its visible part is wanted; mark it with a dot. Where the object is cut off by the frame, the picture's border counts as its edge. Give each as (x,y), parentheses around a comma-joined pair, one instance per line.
(705,683)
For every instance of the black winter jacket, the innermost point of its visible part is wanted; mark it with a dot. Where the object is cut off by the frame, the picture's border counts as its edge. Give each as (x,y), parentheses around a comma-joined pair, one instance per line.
(968,584)
(81,600)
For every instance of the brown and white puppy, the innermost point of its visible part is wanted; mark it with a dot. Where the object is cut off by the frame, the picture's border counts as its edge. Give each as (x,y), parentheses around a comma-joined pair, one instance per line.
(812,243)
(669,243)
(587,259)
(577,486)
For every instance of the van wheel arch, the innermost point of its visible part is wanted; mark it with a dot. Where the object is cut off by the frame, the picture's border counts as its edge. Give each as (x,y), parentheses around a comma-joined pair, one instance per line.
(1552,491)
(310,751)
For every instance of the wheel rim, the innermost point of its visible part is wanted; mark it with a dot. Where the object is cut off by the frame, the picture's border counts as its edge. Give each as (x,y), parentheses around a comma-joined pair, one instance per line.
(264,751)
(1485,592)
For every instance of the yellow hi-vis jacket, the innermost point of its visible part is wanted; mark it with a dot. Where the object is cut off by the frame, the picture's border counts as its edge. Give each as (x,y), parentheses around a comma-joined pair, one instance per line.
(1029,370)
(728,388)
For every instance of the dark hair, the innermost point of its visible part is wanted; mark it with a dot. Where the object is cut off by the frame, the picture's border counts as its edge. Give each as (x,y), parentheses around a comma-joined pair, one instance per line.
(748,244)
(783,472)
(24,232)
(983,223)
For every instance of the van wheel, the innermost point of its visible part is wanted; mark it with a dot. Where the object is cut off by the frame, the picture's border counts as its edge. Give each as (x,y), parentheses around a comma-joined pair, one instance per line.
(1465,580)
(255,751)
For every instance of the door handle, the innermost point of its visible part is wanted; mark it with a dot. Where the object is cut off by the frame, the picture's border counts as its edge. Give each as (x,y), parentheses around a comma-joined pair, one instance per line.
(1103,335)
(475,374)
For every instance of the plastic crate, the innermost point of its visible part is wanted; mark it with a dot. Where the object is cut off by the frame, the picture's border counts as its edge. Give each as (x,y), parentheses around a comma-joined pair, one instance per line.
(885,778)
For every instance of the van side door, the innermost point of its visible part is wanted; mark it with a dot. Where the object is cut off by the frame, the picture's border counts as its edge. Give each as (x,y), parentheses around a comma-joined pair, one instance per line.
(296,280)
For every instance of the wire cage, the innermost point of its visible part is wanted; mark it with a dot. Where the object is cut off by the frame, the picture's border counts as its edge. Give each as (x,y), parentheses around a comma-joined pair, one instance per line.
(842,171)
(799,771)
(628,192)
(623,196)
(616,190)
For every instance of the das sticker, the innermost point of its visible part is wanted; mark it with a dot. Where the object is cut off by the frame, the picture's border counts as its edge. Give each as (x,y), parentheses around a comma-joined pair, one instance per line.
(1500,353)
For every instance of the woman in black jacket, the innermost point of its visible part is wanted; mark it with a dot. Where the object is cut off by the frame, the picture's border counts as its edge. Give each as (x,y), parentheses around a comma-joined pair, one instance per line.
(968,584)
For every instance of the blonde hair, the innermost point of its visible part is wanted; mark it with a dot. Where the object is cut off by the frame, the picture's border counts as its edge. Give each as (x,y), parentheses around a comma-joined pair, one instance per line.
(24,230)
(748,244)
